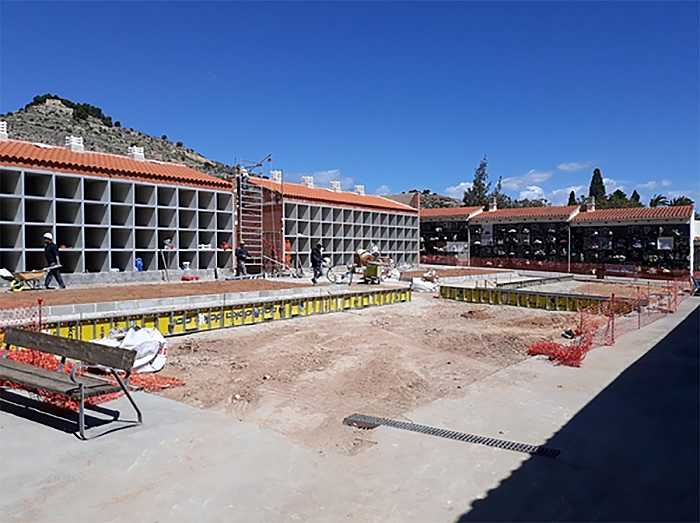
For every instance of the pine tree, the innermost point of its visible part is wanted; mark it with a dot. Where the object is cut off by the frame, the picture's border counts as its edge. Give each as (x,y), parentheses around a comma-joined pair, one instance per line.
(635,199)
(597,188)
(477,194)
(572,198)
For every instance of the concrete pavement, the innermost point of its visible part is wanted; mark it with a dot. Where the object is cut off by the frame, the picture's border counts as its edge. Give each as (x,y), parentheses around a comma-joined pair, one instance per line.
(626,423)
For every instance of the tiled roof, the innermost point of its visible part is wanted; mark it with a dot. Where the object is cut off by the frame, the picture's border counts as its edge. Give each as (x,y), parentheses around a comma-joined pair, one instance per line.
(683,212)
(297,190)
(450,212)
(25,154)
(551,212)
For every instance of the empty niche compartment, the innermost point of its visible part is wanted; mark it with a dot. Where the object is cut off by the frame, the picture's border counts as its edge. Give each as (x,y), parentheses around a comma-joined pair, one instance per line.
(187,240)
(224,201)
(290,228)
(224,259)
(68,187)
(10,182)
(148,258)
(96,238)
(376,217)
(122,260)
(207,259)
(337,229)
(357,231)
(206,200)
(96,261)
(71,261)
(290,211)
(188,257)
(145,238)
(347,230)
(347,215)
(35,260)
(315,229)
(326,214)
(121,215)
(69,212)
(314,213)
(167,218)
(188,219)
(145,216)
(356,217)
(96,213)
(337,215)
(121,192)
(224,221)
(122,238)
(186,198)
(69,237)
(11,260)
(38,211)
(303,212)
(34,235)
(327,230)
(167,196)
(10,236)
(206,220)
(10,209)
(337,245)
(145,194)
(95,190)
(38,185)
(366,217)
(303,228)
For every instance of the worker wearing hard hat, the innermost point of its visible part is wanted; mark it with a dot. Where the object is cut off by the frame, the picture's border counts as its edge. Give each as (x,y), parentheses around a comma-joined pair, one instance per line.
(52,263)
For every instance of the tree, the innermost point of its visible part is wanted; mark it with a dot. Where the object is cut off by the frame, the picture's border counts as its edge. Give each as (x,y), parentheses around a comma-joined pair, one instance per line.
(502,200)
(597,187)
(477,194)
(164,137)
(617,199)
(117,124)
(658,200)
(635,199)
(681,200)
(572,198)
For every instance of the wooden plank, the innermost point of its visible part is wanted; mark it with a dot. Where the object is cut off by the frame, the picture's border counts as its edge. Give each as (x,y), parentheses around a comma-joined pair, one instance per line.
(113,357)
(37,378)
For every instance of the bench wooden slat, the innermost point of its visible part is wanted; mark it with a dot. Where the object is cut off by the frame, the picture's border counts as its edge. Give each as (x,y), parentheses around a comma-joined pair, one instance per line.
(116,358)
(38,378)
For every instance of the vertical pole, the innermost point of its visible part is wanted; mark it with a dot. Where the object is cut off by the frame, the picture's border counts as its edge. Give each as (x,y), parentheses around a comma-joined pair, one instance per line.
(469,245)
(639,310)
(612,317)
(568,250)
(39,302)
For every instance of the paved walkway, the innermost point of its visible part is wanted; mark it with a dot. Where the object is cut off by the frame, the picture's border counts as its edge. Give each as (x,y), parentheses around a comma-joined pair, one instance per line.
(626,423)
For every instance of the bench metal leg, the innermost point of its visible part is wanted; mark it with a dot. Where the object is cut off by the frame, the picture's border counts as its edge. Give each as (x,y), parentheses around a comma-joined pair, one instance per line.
(81,413)
(128,395)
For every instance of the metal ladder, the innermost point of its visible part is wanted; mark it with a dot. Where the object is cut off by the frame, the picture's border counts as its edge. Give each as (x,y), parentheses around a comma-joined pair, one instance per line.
(250,224)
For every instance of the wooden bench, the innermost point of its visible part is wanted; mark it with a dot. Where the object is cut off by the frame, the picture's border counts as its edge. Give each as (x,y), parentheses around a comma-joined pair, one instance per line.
(70,385)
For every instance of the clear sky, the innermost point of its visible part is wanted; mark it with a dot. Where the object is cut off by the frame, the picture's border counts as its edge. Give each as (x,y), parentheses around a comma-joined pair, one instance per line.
(395,96)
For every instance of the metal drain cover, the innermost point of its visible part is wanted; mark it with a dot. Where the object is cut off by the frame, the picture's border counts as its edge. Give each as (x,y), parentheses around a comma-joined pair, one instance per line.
(372,422)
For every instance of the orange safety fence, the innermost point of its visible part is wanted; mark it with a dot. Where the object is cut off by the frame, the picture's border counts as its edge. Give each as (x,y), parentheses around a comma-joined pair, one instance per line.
(616,317)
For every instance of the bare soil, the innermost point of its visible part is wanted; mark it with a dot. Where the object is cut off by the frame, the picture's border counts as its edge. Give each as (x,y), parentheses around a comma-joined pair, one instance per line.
(137,291)
(621,290)
(302,377)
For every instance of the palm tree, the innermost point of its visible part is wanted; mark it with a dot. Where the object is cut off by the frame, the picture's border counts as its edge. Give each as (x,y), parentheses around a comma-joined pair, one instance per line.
(681,200)
(658,200)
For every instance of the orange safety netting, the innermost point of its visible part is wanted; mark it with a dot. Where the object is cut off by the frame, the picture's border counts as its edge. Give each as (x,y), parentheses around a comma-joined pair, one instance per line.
(602,325)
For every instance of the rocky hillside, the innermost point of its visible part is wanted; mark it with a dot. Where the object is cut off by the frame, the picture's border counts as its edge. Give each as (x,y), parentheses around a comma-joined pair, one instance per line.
(49,119)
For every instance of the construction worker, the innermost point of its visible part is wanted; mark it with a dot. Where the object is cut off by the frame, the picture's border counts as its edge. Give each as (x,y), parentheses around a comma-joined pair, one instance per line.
(52,263)
(241,259)
(317,262)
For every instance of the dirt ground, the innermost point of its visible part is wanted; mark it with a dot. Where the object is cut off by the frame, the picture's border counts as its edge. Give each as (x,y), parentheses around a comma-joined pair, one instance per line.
(137,291)
(302,377)
(621,290)
(446,273)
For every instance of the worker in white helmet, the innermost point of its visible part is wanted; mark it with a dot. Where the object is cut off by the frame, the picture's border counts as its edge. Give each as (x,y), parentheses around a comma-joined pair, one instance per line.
(52,263)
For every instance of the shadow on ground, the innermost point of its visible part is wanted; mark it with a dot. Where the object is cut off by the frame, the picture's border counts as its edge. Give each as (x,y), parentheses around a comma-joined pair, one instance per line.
(630,455)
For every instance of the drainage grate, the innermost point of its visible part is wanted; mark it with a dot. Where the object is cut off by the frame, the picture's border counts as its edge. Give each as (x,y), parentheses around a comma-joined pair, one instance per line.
(371,422)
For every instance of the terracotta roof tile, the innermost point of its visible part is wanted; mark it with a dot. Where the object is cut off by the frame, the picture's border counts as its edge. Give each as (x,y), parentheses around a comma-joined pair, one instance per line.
(683,212)
(26,154)
(450,212)
(552,212)
(297,190)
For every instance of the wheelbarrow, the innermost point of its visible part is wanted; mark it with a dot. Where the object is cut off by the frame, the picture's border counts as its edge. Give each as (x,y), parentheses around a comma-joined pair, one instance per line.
(24,281)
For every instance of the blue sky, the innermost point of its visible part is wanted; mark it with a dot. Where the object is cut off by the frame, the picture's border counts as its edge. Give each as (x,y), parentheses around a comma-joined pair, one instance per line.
(395,96)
